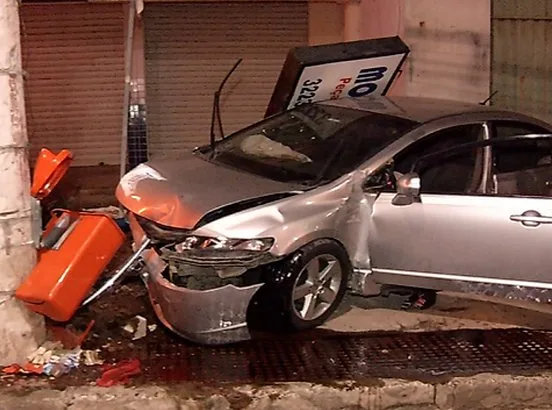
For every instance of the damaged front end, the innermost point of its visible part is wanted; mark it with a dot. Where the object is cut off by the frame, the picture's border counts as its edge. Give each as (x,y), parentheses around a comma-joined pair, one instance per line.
(201,288)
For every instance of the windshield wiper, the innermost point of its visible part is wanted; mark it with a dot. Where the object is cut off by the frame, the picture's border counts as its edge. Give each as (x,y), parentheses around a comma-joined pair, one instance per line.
(216,107)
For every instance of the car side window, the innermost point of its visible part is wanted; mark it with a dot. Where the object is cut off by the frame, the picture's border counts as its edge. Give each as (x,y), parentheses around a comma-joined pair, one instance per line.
(503,129)
(523,168)
(452,173)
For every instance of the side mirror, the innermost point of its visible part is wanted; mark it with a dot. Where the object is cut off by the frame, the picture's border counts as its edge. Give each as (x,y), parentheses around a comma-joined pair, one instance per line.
(408,190)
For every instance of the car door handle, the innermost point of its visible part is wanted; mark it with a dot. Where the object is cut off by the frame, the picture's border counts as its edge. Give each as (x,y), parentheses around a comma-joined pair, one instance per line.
(531,218)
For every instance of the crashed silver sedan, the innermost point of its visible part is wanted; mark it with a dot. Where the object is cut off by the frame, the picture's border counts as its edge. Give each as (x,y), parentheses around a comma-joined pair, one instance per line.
(277,221)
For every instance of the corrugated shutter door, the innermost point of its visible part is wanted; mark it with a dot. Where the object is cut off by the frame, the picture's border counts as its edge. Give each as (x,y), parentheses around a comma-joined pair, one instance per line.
(190,48)
(74,57)
(522,56)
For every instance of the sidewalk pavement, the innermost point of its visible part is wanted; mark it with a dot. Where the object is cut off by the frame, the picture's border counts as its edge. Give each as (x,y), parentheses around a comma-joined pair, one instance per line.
(485,391)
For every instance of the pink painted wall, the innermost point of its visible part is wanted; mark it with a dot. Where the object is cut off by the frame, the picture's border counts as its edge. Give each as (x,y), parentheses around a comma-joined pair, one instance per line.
(449,42)
(383,18)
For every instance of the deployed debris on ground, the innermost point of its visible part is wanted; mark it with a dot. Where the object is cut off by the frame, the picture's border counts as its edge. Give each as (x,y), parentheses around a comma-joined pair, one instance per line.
(120,373)
(138,327)
(93,348)
(59,355)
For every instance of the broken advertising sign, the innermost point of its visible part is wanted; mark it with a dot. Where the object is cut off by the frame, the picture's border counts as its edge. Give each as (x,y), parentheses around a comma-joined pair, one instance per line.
(333,71)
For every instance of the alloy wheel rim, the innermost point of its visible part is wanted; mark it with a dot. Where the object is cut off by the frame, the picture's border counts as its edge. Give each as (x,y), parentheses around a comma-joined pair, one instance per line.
(316,287)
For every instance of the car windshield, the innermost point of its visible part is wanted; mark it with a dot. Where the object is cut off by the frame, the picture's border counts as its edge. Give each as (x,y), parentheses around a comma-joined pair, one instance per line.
(305,144)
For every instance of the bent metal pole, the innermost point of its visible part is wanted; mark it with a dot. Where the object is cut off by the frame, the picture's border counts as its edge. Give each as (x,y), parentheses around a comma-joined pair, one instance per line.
(20,330)
(120,273)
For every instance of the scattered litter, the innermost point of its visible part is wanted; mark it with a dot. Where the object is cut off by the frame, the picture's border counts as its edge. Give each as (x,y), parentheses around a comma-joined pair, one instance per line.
(138,327)
(141,328)
(92,357)
(30,368)
(54,359)
(11,369)
(119,373)
(63,364)
(45,353)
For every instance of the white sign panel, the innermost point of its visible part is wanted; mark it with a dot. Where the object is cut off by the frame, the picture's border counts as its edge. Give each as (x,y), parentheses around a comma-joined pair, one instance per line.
(353,78)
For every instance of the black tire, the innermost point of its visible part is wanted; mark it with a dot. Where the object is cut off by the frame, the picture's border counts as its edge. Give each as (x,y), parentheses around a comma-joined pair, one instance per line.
(294,270)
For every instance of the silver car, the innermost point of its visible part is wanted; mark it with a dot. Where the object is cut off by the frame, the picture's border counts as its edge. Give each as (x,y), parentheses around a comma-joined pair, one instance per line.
(274,223)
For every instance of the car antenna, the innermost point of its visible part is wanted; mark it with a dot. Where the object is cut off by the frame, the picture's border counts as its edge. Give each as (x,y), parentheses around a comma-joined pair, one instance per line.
(216,105)
(489,98)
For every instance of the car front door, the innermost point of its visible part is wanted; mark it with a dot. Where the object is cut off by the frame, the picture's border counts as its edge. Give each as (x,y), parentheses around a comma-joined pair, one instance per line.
(474,226)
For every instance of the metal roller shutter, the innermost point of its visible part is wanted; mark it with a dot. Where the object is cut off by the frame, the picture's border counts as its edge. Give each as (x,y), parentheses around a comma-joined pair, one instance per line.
(522,56)
(74,58)
(190,48)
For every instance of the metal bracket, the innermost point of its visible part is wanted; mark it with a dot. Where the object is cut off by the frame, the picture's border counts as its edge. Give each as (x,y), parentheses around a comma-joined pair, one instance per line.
(127,266)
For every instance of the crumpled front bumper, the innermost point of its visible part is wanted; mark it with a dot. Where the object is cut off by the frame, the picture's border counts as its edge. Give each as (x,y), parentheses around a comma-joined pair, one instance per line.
(214,316)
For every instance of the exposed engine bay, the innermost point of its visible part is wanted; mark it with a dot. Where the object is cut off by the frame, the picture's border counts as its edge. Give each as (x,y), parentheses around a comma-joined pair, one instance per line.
(204,263)
(187,269)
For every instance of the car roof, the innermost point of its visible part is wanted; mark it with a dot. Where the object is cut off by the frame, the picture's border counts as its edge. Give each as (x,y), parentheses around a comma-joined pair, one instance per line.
(418,109)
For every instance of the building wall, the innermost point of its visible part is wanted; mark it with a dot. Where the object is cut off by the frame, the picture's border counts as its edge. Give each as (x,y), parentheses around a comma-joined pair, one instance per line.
(449,41)
(522,61)
(326,22)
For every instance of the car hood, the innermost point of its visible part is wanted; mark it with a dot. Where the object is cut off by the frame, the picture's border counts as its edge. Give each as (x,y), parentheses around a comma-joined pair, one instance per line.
(180,193)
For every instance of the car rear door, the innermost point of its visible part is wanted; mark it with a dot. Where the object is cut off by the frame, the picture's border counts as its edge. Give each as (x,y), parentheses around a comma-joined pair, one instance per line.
(520,192)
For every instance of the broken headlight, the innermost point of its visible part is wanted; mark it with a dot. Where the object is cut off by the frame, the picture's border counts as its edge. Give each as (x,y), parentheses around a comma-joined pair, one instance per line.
(225,244)
(160,232)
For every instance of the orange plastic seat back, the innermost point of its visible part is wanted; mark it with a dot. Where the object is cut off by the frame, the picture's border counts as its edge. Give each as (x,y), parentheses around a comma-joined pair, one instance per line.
(49,169)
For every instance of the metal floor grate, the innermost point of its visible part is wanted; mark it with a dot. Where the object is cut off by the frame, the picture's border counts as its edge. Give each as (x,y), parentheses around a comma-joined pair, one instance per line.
(423,356)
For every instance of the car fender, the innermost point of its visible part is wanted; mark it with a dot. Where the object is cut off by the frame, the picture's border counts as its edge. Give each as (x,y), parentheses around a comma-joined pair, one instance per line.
(292,222)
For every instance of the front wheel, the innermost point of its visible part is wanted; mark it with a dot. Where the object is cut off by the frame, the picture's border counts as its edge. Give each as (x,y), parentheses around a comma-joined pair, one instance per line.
(315,284)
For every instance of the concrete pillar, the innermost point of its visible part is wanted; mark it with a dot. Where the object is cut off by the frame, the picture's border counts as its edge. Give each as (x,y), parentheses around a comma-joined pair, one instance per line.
(20,330)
